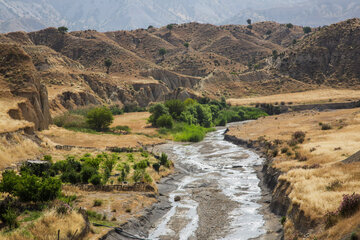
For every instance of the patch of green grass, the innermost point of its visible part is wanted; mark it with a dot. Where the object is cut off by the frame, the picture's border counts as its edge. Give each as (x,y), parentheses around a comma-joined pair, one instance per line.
(31,215)
(183,132)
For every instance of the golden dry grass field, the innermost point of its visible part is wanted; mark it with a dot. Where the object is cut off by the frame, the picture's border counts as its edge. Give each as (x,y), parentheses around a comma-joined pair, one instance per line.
(307,97)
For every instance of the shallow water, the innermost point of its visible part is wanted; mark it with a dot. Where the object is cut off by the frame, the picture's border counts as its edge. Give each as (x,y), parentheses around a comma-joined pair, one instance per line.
(222,165)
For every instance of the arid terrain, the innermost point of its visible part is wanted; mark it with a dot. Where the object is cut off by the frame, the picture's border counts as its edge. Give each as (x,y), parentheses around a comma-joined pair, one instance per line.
(52,72)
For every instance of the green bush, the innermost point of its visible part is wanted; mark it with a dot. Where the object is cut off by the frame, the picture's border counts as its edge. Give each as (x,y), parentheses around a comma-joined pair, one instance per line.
(289,25)
(307,30)
(325,126)
(87,173)
(156,167)
(9,218)
(99,118)
(157,111)
(95,179)
(63,29)
(116,110)
(165,121)
(72,177)
(175,108)
(97,203)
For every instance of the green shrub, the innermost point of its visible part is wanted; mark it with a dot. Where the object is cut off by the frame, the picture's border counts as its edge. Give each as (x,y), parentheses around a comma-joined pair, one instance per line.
(63,29)
(97,203)
(62,209)
(87,173)
(163,159)
(175,107)
(165,121)
(121,128)
(9,218)
(72,177)
(156,111)
(116,110)
(289,25)
(325,126)
(299,136)
(283,220)
(354,236)
(143,164)
(9,181)
(284,150)
(47,158)
(307,30)
(99,118)
(95,179)
(156,167)
(186,45)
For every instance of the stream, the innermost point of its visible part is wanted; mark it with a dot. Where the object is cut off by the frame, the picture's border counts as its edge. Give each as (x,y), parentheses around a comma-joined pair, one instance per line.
(218,197)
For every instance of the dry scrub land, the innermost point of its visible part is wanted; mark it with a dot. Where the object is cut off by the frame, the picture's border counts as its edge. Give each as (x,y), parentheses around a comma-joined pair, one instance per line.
(307,97)
(318,178)
(116,207)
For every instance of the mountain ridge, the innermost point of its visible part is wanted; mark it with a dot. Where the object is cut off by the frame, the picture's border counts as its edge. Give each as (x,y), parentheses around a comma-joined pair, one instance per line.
(110,15)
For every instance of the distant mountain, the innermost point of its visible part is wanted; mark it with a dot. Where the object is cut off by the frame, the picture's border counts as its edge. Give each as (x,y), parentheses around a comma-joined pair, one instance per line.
(108,15)
(310,13)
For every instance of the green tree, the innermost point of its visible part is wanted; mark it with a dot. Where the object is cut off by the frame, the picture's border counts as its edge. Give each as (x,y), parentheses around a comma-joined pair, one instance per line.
(99,118)
(63,29)
(162,52)
(9,181)
(165,121)
(170,27)
(275,54)
(108,63)
(156,111)
(289,25)
(250,26)
(86,173)
(307,30)
(248,21)
(186,45)
(175,107)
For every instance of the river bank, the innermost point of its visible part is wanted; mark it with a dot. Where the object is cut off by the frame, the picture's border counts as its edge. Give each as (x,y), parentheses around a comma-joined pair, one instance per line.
(219,195)
(307,176)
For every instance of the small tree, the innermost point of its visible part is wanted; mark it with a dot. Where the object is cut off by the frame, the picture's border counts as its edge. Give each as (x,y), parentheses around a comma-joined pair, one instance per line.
(99,118)
(275,54)
(165,121)
(162,51)
(249,27)
(307,30)
(108,64)
(170,27)
(150,27)
(157,111)
(63,29)
(248,21)
(186,45)
(289,25)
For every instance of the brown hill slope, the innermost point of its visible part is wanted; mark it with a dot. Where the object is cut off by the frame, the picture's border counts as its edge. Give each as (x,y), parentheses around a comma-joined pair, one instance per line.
(329,56)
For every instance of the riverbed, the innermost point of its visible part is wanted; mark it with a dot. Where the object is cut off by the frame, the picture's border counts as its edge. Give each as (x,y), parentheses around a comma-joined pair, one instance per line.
(219,196)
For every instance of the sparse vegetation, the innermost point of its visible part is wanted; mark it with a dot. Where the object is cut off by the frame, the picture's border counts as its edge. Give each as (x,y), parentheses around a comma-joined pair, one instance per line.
(99,118)
(108,63)
(307,30)
(63,29)
(325,126)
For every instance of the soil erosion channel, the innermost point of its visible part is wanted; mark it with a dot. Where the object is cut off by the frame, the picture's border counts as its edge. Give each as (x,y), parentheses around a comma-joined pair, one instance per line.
(219,193)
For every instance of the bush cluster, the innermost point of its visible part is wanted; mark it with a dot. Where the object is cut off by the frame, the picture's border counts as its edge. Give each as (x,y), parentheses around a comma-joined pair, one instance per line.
(190,120)
(30,188)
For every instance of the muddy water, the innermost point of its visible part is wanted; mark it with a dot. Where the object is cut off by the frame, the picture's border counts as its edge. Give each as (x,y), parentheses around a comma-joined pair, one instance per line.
(219,192)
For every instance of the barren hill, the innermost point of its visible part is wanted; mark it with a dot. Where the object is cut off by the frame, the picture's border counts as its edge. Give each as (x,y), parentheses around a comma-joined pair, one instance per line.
(200,60)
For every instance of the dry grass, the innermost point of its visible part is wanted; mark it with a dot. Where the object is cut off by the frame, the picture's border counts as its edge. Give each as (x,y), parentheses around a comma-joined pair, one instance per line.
(136,121)
(15,147)
(100,141)
(311,188)
(46,228)
(308,97)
